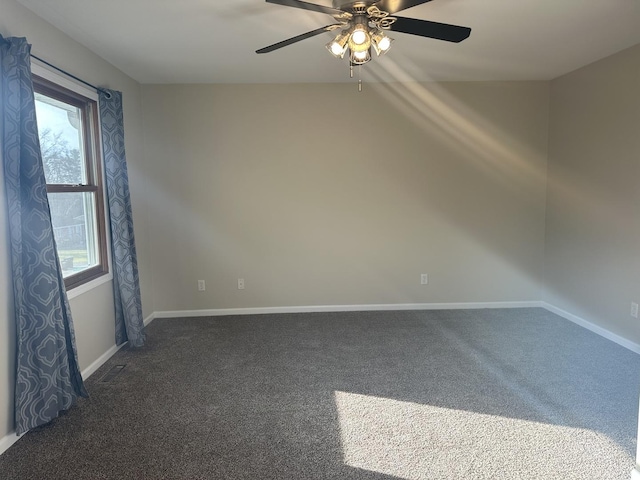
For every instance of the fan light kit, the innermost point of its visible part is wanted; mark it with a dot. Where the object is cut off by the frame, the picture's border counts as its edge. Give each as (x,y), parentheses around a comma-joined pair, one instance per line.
(360,33)
(363,24)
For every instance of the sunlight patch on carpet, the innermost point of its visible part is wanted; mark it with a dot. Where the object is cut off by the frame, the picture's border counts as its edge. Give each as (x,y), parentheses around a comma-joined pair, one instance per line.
(413,441)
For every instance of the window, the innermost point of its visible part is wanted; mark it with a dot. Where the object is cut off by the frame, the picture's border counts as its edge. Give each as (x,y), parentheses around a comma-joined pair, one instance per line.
(68,130)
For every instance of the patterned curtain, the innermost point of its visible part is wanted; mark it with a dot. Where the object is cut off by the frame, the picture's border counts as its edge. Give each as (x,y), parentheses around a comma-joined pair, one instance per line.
(48,379)
(126,283)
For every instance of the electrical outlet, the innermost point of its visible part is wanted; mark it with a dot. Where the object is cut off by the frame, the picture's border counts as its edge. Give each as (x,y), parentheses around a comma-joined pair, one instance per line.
(424,279)
(201,286)
(634,309)
(241,284)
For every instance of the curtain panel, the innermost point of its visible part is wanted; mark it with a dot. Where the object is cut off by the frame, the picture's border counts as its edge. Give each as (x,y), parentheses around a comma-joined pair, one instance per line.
(126,282)
(48,378)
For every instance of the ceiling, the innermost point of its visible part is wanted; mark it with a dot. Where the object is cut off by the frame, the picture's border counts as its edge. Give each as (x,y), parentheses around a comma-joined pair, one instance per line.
(214,41)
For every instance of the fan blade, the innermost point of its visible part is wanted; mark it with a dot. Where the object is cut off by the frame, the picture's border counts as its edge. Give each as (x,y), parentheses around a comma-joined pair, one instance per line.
(307,6)
(425,28)
(297,38)
(393,6)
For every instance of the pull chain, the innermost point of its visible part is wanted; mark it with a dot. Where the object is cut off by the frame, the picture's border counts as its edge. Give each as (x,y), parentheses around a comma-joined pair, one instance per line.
(359,75)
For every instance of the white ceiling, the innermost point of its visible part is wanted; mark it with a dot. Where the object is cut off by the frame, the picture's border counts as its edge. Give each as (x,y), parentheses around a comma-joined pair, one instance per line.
(214,41)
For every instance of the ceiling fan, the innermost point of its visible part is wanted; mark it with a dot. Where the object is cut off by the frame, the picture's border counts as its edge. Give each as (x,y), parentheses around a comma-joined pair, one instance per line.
(363,24)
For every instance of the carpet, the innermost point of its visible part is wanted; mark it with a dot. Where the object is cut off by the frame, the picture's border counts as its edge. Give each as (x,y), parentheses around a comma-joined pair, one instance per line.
(460,394)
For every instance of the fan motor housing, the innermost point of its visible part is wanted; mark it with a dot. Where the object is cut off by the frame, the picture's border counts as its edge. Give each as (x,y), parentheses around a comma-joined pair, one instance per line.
(350,5)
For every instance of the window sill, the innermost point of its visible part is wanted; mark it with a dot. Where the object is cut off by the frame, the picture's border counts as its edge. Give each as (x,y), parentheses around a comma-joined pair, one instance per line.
(85,287)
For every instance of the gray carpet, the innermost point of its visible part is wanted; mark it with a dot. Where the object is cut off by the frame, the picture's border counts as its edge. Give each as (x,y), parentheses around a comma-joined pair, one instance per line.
(473,394)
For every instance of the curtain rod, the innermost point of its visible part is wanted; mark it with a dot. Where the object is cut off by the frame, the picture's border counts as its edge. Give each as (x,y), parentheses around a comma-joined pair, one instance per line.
(97,89)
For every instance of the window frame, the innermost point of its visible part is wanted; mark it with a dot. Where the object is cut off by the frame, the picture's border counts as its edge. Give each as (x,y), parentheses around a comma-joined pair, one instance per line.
(88,108)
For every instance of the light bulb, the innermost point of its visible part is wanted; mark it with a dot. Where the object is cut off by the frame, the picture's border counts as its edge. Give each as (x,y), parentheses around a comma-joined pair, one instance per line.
(338,46)
(360,55)
(384,44)
(359,37)
(381,43)
(336,49)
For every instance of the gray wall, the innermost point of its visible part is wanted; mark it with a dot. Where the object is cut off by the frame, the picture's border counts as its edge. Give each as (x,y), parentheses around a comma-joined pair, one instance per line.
(592,261)
(320,195)
(92,311)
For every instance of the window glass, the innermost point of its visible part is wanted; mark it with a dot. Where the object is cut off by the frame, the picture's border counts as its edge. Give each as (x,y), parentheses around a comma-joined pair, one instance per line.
(74,227)
(67,127)
(61,142)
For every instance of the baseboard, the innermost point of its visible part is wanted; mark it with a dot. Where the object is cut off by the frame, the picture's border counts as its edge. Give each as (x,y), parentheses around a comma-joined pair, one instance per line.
(149,319)
(91,369)
(8,440)
(603,332)
(342,308)
(634,347)
(12,438)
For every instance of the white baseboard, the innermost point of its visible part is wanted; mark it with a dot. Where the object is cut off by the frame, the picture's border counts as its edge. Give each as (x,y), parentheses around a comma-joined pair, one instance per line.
(634,347)
(91,369)
(12,438)
(603,332)
(149,319)
(342,308)
(8,440)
